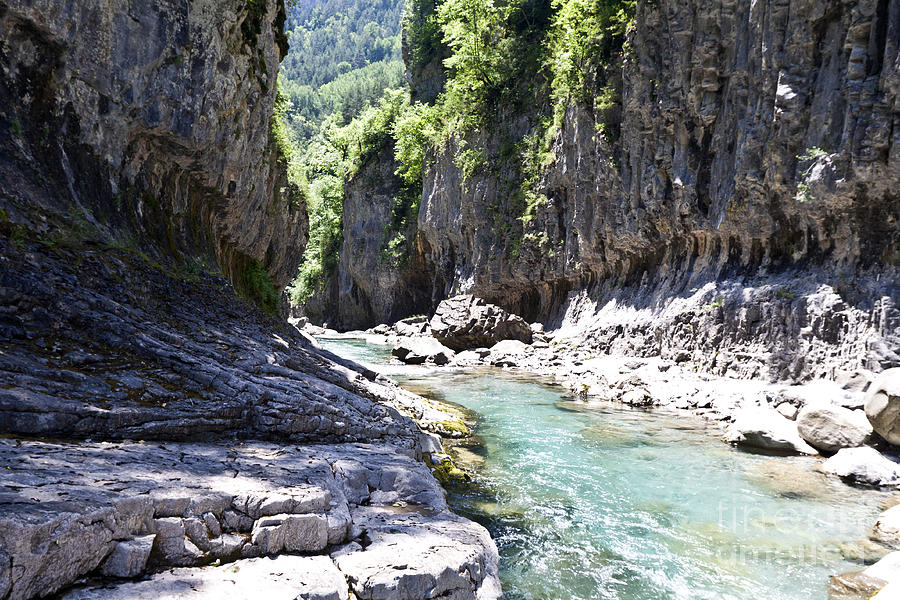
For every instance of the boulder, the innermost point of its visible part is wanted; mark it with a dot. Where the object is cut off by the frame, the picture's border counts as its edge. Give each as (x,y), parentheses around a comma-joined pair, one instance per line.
(886,569)
(830,428)
(637,397)
(412,556)
(883,405)
(508,353)
(787,410)
(860,585)
(412,326)
(819,391)
(466,322)
(128,558)
(382,329)
(765,428)
(468,358)
(864,465)
(889,592)
(887,529)
(855,585)
(417,351)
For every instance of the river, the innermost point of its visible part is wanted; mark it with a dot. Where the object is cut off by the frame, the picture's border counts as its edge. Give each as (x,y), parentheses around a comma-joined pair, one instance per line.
(602,502)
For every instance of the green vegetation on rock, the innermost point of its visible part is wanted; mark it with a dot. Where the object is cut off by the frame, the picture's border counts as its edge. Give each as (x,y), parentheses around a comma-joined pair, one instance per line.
(345,56)
(500,60)
(258,286)
(513,59)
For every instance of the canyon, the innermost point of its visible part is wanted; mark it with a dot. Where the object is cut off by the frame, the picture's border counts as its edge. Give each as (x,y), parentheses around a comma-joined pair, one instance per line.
(713,224)
(750,174)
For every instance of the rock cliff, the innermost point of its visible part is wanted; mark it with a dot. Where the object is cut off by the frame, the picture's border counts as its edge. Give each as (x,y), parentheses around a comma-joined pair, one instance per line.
(150,119)
(369,287)
(740,207)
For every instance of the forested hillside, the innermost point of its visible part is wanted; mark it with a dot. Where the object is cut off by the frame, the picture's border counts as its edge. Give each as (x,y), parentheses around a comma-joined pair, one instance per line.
(343,55)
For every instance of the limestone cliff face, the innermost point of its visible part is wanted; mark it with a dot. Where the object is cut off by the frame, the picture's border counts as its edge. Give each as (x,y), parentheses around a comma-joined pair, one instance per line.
(719,100)
(152,117)
(369,285)
(699,187)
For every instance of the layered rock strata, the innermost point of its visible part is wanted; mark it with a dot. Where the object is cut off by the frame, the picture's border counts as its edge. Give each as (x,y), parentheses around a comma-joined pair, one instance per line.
(66,513)
(99,343)
(151,120)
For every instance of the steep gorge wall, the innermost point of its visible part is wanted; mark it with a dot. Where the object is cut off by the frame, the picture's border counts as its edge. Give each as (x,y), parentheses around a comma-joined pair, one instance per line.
(698,198)
(718,102)
(368,286)
(151,120)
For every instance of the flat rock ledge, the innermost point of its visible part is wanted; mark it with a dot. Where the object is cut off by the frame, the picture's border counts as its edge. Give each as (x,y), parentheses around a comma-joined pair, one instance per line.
(239,520)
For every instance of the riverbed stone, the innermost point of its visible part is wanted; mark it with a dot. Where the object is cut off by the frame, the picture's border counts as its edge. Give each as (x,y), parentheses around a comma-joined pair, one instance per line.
(830,428)
(421,350)
(865,551)
(412,326)
(887,569)
(469,358)
(467,322)
(129,557)
(887,528)
(883,405)
(855,585)
(789,480)
(413,555)
(865,466)
(875,579)
(508,353)
(766,429)
(638,397)
(787,410)
(889,592)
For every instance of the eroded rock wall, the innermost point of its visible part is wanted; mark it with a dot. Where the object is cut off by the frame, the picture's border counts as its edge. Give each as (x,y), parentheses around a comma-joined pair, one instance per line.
(719,100)
(370,284)
(150,119)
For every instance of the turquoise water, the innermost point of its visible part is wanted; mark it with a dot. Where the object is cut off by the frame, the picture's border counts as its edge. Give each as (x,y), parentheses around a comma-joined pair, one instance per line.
(602,502)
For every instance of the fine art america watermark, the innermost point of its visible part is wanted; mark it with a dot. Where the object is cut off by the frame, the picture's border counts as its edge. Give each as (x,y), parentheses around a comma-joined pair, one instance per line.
(787,535)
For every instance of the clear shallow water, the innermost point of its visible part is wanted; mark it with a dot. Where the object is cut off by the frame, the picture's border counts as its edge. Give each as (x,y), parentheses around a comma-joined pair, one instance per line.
(611,503)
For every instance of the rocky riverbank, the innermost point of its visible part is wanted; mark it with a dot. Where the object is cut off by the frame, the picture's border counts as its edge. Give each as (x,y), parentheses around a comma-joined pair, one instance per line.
(189,429)
(849,424)
(334,518)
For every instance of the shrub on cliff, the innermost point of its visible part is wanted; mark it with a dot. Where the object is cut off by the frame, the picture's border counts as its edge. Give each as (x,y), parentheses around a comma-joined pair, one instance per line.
(258,286)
